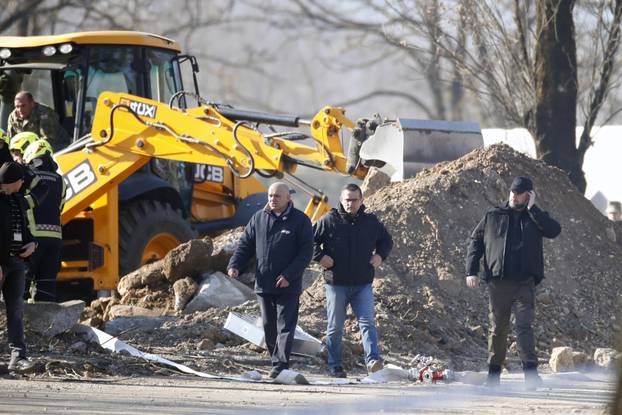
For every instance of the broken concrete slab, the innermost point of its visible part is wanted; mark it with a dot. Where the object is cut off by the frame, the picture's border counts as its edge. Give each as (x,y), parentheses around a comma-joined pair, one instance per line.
(218,290)
(606,358)
(122,310)
(189,259)
(184,290)
(150,275)
(250,328)
(50,319)
(562,359)
(291,377)
(135,323)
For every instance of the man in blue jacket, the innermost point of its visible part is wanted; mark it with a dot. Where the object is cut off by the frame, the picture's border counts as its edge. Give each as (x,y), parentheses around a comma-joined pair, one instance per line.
(350,243)
(509,238)
(281,238)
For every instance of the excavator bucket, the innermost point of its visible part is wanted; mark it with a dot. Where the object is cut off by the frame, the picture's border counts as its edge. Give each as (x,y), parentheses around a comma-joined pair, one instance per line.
(404,147)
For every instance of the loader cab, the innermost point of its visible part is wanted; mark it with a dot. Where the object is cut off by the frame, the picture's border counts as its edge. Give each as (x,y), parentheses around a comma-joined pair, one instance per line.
(68,73)
(71,82)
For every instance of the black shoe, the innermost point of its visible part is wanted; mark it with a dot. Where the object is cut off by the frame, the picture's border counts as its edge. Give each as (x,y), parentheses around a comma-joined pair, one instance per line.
(337,372)
(20,364)
(276,371)
(494,376)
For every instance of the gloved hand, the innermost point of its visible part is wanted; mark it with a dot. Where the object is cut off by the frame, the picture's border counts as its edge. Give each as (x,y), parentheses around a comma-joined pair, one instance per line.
(532,199)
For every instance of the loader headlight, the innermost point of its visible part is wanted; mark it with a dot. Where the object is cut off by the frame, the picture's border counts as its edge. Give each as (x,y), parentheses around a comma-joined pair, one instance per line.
(65,48)
(49,51)
(5,53)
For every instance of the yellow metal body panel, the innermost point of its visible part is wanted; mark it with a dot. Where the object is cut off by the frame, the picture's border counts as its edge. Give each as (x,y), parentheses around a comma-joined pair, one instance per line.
(91,38)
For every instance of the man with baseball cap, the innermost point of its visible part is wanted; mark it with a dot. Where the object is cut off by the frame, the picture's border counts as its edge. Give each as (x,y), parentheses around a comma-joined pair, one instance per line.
(509,238)
(16,244)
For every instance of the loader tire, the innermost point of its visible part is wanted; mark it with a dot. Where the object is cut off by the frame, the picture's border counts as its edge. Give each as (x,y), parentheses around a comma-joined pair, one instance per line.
(148,229)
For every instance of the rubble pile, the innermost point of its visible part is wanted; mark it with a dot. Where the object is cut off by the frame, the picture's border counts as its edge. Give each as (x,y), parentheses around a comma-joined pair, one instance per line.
(423,306)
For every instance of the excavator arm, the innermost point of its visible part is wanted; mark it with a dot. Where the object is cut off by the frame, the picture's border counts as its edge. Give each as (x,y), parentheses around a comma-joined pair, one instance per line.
(128,131)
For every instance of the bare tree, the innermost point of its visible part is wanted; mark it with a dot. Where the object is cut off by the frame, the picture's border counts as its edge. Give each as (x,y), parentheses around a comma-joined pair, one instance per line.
(518,58)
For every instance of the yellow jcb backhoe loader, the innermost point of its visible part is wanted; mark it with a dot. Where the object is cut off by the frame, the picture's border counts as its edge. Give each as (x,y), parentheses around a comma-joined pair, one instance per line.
(146,172)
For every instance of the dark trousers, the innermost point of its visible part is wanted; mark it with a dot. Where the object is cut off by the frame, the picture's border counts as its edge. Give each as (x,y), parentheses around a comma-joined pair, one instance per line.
(13,293)
(43,268)
(279,313)
(505,294)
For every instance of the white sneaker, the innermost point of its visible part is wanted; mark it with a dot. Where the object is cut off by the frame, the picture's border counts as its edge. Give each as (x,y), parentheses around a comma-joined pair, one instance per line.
(374,366)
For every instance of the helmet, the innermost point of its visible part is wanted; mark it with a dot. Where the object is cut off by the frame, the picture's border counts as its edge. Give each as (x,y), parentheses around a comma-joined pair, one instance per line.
(20,141)
(37,149)
(4,136)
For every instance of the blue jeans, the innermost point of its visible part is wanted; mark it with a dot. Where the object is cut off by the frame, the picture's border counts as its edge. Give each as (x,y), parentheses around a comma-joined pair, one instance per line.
(361,298)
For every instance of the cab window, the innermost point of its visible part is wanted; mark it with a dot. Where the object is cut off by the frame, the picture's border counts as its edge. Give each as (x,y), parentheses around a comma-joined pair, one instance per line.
(109,69)
(163,74)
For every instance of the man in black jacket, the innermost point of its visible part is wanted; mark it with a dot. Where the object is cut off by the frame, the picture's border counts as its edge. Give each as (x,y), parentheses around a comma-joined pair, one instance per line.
(350,243)
(16,245)
(281,238)
(510,240)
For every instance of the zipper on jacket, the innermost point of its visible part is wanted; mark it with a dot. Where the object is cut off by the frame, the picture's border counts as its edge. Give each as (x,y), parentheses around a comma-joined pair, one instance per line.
(505,244)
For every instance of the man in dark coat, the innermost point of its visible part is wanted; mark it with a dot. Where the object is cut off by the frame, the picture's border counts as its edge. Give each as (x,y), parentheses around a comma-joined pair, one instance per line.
(281,238)
(350,243)
(16,245)
(509,238)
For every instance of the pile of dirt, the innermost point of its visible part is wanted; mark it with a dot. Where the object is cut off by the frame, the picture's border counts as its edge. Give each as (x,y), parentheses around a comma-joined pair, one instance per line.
(423,303)
(423,306)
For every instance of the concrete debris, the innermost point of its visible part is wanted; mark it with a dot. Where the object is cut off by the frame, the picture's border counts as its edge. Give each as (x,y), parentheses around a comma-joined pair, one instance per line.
(184,290)
(51,319)
(250,328)
(218,290)
(122,310)
(562,359)
(136,323)
(291,377)
(189,259)
(607,358)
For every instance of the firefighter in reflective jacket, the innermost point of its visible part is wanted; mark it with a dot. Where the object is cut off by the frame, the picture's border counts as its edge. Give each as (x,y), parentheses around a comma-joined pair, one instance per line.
(34,189)
(45,223)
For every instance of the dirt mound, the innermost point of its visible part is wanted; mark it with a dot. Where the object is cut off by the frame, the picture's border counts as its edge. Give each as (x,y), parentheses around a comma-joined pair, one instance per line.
(423,302)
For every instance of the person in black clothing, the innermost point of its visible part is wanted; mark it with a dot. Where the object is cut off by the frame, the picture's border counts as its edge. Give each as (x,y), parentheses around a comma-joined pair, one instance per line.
(350,243)
(17,244)
(281,238)
(509,238)
(45,226)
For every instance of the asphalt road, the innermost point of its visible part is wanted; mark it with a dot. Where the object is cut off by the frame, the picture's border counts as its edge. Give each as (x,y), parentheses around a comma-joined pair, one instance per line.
(563,393)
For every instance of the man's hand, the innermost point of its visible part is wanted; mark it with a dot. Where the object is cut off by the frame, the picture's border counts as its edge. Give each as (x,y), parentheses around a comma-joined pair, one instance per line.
(281,282)
(27,250)
(472,281)
(1,277)
(532,199)
(233,273)
(376,260)
(327,262)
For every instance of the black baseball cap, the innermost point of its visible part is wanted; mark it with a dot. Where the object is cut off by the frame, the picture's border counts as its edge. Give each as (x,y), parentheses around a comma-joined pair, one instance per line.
(10,172)
(521,184)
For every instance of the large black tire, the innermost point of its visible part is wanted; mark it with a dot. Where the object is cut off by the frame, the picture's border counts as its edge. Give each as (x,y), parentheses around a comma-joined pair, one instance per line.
(147,230)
